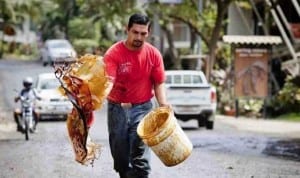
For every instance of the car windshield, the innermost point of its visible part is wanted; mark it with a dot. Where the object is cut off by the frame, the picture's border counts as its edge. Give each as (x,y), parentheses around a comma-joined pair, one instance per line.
(59,45)
(49,84)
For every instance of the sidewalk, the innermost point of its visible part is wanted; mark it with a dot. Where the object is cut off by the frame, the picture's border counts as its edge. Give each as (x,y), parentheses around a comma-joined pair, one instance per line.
(7,124)
(268,126)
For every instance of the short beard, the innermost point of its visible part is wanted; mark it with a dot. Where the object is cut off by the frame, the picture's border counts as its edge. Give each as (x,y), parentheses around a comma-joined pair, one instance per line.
(137,43)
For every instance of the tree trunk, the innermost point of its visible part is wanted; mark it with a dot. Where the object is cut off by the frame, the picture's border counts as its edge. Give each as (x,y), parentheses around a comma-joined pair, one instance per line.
(172,51)
(222,8)
(2,38)
(193,39)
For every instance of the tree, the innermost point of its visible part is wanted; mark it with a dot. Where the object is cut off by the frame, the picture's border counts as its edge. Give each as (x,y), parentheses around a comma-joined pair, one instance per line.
(207,24)
(110,16)
(16,12)
(7,15)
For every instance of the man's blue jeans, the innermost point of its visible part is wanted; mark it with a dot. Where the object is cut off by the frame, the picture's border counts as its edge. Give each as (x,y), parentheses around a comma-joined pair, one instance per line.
(131,156)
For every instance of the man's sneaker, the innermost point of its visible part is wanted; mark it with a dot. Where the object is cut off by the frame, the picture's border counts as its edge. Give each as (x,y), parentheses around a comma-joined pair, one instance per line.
(33,130)
(19,129)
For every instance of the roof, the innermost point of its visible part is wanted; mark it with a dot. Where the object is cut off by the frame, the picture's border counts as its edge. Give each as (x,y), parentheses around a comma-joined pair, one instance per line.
(254,39)
(47,75)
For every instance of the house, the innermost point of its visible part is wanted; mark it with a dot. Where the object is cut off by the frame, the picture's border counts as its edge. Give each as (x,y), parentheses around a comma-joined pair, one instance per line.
(269,18)
(23,33)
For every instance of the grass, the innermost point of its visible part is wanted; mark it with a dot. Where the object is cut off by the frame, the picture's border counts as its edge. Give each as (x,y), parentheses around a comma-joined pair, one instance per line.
(20,57)
(294,117)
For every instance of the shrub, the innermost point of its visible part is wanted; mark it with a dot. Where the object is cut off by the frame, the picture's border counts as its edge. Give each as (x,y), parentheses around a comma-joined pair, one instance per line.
(83,46)
(82,29)
(288,98)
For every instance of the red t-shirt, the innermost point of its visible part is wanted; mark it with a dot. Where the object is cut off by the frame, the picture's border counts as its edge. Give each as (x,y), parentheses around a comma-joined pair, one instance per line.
(133,72)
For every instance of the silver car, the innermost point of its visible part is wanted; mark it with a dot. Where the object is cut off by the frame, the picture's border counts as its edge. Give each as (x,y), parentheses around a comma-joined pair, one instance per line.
(53,105)
(57,50)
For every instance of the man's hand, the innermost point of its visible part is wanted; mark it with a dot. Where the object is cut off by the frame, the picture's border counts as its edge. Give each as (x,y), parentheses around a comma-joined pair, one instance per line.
(17,99)
(165,105)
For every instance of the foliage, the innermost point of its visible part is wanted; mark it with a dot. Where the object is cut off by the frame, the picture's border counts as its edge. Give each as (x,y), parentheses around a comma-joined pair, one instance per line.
(207,23)
(81,28)
(295,117)
(105,44)
(20,51)
(223,56)
(251,107)
(226,100)
(288,98)
(111,16)
(83,46)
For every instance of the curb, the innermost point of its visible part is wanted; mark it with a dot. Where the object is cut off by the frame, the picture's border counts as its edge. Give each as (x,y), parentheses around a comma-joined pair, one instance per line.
(286,128)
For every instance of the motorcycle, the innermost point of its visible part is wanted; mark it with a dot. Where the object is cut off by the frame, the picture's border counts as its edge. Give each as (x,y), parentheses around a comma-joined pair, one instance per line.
(25,116)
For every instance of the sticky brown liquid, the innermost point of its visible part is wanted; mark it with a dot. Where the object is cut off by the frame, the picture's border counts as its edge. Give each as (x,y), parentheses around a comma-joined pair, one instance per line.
(87,83)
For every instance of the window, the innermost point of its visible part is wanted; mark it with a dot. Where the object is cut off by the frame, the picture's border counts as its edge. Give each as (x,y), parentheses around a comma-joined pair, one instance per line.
(184,79)
(168,79)
(50,84)
(59,45)
(187,79)
(181,32)
(177,79)
(197,79)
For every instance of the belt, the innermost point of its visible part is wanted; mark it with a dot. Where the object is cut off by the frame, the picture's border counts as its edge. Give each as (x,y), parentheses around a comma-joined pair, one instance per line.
(127,105)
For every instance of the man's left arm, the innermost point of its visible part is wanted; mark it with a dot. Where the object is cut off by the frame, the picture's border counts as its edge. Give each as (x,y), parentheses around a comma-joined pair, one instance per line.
(160,94)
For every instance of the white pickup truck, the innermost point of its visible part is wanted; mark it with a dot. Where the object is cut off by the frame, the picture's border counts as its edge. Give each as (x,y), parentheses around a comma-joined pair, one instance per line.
(191,96)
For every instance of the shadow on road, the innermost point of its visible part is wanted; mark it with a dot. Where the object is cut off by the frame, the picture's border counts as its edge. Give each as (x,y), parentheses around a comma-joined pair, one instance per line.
(53,120)
(286,149)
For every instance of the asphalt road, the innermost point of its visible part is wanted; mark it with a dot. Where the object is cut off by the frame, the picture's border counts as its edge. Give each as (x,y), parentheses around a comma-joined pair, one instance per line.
(235,148)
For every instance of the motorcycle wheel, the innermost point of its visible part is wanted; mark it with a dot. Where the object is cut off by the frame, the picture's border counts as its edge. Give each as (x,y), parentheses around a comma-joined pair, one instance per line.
(19,121)
(26,131)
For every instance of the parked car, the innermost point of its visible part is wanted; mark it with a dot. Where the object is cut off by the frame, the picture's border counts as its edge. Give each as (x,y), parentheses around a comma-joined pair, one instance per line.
(191,96)
(57,50)
(53,105)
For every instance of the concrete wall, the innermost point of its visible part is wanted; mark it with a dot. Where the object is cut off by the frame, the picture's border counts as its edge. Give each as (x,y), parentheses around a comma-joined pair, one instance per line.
(239,21)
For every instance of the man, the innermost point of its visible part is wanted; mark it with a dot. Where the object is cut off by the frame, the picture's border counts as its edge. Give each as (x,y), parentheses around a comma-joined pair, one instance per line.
(30,93)
(136,70)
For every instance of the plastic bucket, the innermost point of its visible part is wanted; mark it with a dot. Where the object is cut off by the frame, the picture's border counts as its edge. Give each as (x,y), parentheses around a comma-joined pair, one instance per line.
(161,132)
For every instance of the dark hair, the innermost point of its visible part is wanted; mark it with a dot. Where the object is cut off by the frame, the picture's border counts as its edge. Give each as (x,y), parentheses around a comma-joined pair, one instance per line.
(139,19)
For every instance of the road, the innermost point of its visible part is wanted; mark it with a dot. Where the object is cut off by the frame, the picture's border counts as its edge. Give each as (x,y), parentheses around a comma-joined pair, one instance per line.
(235,148)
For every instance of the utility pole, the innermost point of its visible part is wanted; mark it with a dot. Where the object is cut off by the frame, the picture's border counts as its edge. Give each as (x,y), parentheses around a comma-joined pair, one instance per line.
(156,33)
(2,40)
(199,48)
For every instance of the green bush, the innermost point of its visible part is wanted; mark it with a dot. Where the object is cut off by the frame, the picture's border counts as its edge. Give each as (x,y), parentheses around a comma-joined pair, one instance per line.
(251,107)
(105,44)
(289,96)
(81,29)
(83,46)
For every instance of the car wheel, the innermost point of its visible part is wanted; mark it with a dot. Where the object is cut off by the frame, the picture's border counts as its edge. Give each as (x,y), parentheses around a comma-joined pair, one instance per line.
(201,122)
(209,125)
(65,117)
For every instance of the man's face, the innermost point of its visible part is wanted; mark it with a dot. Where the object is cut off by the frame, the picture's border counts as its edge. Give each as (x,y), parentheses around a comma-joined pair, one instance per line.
(137,35)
